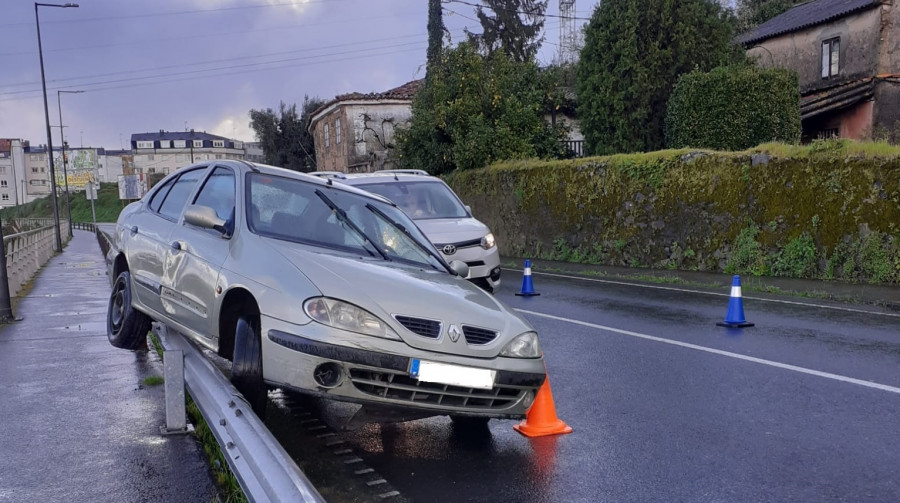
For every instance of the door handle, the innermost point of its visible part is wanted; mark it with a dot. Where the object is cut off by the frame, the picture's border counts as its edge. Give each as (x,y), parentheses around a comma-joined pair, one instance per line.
(134,230)
(176,245)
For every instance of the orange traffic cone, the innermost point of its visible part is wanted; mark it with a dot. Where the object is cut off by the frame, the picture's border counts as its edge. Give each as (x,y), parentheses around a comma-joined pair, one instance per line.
(541,418)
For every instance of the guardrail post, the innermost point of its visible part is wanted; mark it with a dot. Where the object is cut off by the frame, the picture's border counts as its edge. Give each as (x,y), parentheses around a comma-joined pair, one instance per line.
(173,370)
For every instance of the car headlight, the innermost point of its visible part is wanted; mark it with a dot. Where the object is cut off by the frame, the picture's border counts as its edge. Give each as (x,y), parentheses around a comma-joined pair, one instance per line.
(487,242)
(523,346)
(345,316)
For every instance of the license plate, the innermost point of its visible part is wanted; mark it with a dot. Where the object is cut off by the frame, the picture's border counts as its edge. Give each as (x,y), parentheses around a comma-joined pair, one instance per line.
(453,375)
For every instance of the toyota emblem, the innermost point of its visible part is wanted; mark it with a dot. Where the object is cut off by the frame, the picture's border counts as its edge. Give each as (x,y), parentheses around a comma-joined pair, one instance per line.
(449,249)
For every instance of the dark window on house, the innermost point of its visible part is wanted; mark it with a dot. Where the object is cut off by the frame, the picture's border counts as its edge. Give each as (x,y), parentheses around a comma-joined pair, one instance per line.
(825,134)
(831,57)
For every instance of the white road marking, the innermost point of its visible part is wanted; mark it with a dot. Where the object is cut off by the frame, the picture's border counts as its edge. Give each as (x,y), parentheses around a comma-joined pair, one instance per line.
(803,370)
(687,290)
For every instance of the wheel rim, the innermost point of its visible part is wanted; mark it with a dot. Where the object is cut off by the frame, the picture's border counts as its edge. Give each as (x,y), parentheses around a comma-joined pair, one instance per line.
(118,307)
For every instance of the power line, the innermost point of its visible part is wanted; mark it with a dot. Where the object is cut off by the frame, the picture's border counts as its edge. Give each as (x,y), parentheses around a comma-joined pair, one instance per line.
(181,12)
(168,81)
(218,34)
(482,6)
(208,62)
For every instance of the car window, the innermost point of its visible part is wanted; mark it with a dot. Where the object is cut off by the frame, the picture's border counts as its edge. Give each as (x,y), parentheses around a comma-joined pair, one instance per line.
(218,192)
(299,211)
(160,195)
(420,200)
(178,194)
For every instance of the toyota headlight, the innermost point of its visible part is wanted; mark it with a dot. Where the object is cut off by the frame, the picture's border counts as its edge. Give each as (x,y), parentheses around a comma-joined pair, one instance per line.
(487,242)
(523,346)
(345,316)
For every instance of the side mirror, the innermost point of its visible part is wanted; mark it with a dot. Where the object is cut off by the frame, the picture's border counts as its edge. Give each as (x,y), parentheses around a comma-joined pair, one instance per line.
(460,268)
(468,209)
(204,217)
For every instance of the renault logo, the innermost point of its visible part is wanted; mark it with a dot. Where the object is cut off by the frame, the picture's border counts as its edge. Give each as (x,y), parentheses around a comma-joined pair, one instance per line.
(454,333)
(448,249)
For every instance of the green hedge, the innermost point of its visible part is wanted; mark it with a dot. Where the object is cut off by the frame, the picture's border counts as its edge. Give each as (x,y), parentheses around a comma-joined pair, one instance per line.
(830,210)
(733,108)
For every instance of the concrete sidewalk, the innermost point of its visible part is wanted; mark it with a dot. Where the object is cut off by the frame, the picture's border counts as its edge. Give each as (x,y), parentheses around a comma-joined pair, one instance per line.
(77,424)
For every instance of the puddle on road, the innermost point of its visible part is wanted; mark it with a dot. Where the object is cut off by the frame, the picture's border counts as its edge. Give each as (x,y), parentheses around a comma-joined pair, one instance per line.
(91,326)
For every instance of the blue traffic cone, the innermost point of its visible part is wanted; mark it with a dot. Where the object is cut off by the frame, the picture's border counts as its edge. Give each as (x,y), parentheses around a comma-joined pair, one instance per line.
(735,316)
(527,285)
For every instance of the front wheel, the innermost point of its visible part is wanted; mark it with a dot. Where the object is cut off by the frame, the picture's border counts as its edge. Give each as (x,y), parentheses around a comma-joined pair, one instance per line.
(246,365)
(126,327)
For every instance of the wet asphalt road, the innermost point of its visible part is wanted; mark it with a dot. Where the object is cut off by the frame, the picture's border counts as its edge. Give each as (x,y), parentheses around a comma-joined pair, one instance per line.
(666,406)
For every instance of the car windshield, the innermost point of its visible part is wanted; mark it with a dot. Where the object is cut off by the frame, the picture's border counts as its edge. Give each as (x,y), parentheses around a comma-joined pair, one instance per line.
(302,212)
(420,200)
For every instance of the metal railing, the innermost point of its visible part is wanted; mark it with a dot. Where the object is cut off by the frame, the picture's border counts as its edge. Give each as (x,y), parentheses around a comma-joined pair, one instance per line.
(262,467)
(27,252)
(574,148)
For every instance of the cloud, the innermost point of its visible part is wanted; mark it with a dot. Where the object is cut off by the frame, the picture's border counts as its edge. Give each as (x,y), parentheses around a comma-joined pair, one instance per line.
(235,127)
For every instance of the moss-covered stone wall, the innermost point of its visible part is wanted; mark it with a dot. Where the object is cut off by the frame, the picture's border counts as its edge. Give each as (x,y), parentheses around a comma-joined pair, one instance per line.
(829,211)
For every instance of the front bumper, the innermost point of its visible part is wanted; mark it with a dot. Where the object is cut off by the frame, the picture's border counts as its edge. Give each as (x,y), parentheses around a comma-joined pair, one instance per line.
(372,377)
(482,263)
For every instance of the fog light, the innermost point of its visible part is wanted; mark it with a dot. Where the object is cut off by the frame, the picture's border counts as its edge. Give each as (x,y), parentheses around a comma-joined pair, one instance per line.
(328,375)
(528,400)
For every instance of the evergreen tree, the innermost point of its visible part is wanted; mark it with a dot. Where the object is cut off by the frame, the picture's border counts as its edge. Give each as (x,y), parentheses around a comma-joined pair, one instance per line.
(284,135)
(634,52)
(435,34)
(477,110)
(513,26)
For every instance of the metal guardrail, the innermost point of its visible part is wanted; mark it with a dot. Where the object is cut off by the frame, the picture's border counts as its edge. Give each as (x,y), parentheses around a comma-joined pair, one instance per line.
(262,467)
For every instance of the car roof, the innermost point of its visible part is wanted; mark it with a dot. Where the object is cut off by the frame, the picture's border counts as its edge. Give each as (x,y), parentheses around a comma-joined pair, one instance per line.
(386,175)
(288,173)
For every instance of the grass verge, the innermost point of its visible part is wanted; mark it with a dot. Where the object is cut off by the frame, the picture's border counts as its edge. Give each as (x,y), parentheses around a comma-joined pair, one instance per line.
(225,479)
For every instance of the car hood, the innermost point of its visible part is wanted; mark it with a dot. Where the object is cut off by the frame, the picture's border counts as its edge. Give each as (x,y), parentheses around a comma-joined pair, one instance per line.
(452,230)
(388,289)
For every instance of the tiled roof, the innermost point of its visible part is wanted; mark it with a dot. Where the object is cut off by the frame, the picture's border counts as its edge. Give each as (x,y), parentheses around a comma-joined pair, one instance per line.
(405,92)
(176,135)
(803,16)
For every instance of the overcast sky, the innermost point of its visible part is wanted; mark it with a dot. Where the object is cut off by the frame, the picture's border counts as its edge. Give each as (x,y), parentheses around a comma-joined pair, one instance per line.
(146,65)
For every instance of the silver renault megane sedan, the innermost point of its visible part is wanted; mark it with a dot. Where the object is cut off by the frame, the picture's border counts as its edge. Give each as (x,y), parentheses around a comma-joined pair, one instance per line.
(316,287)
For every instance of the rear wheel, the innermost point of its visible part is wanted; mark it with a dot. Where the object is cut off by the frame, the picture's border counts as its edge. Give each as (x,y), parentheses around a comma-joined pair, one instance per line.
(126,327)
(246,366)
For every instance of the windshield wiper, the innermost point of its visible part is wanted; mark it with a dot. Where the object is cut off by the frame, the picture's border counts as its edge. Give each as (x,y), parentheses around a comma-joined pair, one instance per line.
(342,216)
(430,251)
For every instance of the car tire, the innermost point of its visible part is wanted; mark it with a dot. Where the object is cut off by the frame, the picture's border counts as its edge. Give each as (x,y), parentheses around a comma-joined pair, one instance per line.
(484,284)
(246,365)
(126,327)
(469,422)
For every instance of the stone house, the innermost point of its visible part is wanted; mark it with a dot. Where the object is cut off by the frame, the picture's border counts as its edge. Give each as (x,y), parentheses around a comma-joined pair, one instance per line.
(354,133)
(847,56)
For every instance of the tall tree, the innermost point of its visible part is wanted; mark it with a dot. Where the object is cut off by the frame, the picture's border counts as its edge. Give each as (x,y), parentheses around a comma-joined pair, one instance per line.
(634,52)
(284,136)
(513,26)
(435,35)
(480,109)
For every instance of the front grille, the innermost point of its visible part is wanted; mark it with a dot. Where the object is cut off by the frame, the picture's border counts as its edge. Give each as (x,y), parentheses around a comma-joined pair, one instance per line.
(401,387)
(475,263)
(460,244)
(478,336)
(420,326)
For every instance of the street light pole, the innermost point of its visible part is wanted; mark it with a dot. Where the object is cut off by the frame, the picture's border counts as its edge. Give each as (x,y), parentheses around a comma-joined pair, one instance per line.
(62,140)
(37,21)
